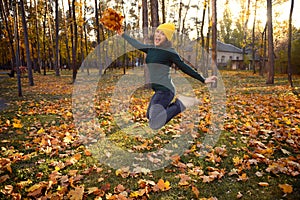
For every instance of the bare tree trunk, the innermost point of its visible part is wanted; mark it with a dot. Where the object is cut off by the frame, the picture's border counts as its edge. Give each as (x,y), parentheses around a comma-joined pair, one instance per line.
(205,73)
(44,39)
(67,38)
(154,13)
(56,39)
(214,41)
(245,30)
(253,40)
(74,50)
(203,66)
(37,38)
(184,18)
(51,48)
(163,8)
(17,39)
(85,35)
(145,36)
(270,65)
(26,41)
(71,31)
(97,22)
(5,14)
(290,45)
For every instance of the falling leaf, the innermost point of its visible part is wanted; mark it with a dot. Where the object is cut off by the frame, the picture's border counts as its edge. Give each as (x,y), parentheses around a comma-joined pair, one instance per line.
(286,188)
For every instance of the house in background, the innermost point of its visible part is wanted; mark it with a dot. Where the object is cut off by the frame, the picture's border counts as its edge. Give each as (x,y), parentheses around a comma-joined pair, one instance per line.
(229,56)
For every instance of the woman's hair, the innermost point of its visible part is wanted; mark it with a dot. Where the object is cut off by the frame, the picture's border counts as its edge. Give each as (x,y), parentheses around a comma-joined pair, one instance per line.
(166,44)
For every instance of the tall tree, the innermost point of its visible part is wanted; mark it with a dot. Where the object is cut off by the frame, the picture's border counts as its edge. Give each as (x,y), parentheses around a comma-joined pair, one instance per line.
(44,37)
(17,39)
(290,45)
(5,12)
(26,41)
(38,64)
(214,39)
(97,22)
(184,18)
(56,39)
(271,62)
(75,41)
(253,39)
(245,30)
(145,17)
(207,45)
(154,13)
(203,67)
(226,25)
(163,8)
(145,36)
(66,30)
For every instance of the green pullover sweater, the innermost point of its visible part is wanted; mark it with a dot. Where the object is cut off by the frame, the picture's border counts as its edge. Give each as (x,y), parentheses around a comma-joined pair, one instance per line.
(159,62)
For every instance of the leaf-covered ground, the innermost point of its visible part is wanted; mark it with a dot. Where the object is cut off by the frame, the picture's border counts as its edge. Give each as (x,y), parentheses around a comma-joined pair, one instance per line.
(44,155)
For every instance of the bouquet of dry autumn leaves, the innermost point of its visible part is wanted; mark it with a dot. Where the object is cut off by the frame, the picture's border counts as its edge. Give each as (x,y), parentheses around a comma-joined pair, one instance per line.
(112,20)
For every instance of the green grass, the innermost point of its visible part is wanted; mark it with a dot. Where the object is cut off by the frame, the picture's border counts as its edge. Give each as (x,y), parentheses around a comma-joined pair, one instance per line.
(45,108)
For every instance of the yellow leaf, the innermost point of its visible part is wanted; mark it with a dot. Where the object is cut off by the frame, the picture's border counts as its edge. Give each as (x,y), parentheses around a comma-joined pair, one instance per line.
(36,186)
(138,193)
(17,125)
(41,131)
(286,188)
(236,160)
(22,184)
(69,114)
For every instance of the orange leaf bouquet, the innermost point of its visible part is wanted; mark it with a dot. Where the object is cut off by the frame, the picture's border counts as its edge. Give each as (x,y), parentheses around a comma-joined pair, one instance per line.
(112,20)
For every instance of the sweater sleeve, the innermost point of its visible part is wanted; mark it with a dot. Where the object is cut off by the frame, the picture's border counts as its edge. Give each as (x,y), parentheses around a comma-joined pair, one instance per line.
(187,69)
(136,44)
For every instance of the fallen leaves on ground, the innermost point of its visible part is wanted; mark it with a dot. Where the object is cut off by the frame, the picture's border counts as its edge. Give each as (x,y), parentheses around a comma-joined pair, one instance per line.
(44,156)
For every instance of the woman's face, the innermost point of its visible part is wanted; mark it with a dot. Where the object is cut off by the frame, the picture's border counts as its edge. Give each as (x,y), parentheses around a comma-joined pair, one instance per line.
(159,37)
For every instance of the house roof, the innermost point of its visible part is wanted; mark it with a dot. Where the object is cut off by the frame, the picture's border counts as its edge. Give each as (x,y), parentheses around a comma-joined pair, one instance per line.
(228,48)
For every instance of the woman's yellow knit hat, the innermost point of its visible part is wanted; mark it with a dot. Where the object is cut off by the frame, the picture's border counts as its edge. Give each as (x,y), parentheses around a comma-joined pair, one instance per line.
(168,29)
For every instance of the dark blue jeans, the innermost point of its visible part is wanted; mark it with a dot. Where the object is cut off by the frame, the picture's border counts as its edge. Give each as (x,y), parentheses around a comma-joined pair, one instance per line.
(161,110)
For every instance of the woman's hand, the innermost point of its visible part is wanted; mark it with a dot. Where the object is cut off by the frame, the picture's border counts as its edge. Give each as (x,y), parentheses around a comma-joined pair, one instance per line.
(211,79)
(120,32)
